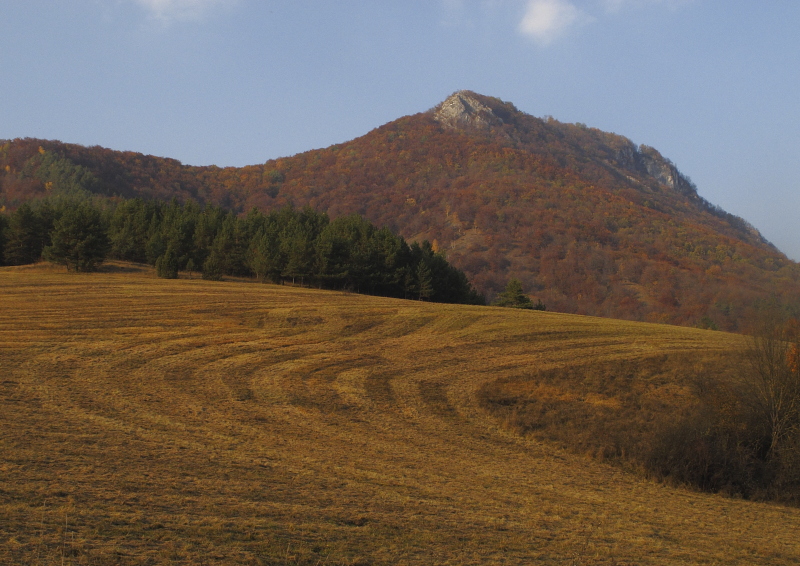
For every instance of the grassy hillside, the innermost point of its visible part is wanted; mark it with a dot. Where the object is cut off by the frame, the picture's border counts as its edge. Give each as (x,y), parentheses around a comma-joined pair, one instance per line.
(149,421)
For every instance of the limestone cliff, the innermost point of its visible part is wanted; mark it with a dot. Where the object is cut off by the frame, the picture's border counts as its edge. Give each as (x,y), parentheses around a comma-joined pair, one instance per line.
(463,109)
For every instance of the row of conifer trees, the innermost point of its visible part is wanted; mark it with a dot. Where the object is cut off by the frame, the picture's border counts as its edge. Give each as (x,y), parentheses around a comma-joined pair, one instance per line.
(288,245)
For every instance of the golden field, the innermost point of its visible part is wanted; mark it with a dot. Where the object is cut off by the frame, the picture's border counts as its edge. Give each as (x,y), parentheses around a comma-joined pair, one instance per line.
(147,421)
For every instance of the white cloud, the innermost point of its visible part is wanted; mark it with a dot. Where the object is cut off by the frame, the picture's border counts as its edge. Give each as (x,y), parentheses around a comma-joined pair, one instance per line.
(546,20)
(165,10)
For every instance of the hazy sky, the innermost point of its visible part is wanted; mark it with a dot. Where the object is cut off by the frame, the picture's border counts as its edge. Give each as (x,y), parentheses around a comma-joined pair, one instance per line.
(713,85)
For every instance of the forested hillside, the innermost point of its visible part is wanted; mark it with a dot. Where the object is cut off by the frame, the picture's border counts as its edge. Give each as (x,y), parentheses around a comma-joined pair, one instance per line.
(588,222)
(301,246)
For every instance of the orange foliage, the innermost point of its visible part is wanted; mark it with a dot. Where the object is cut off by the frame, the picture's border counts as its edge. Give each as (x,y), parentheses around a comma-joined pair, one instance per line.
(793,358)
(536,200)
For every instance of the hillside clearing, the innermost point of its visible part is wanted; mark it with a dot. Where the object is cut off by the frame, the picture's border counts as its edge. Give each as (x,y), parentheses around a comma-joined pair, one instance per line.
(149,421)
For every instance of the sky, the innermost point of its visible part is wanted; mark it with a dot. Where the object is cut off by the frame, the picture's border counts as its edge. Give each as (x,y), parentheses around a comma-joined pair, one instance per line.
(713,85)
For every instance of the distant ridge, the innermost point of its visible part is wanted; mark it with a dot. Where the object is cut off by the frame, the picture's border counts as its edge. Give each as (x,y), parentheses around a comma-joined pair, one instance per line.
(590,222)
(467,110)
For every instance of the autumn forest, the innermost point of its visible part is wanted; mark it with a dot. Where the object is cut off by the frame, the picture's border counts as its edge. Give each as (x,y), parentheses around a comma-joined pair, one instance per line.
(587,221)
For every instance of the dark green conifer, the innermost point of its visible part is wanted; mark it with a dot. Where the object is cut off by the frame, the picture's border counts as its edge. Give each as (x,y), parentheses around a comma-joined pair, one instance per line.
(3,225)
(26,236)
(424,281)
(79,239)
(514,297)
(167,264)
(213,266)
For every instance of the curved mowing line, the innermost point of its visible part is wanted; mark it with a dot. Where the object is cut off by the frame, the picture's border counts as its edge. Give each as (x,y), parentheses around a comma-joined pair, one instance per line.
(163,422)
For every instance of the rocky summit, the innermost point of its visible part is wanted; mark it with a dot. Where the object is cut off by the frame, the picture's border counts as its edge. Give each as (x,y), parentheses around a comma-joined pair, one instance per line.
(586,220)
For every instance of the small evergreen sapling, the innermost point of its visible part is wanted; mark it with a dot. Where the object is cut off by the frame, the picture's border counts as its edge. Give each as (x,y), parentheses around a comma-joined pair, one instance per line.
(514,297)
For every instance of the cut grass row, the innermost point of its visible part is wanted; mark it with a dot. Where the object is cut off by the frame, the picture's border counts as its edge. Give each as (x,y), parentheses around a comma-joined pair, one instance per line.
(145,421)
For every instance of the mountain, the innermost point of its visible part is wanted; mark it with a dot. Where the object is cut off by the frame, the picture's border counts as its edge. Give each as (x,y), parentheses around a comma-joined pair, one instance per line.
(588,221)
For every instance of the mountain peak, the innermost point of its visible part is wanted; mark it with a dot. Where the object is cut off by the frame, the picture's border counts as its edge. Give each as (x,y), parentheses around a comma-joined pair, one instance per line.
(466,108)
(587,220)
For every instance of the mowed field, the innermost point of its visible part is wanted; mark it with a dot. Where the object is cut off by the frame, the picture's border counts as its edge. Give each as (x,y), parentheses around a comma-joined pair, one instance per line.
(147,421)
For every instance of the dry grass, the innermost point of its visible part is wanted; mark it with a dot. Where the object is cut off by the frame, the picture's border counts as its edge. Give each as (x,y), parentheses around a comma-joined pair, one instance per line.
(145,421)
(615,409)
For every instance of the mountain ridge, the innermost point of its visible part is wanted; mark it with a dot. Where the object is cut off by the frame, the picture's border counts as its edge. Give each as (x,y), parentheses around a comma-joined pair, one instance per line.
(466,109)
(589,222)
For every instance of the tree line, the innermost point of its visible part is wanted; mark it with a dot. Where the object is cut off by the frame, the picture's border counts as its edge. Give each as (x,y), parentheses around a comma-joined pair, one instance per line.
(302,246)
(548,210)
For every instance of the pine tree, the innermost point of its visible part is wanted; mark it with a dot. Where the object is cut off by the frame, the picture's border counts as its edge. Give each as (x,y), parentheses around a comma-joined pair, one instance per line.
(79,239)
(409,283)
(213,266)
(167,264)
(128,230)
(3,225)
(514,297)
(25,236)
(263,255)
(424,281)
(229,247)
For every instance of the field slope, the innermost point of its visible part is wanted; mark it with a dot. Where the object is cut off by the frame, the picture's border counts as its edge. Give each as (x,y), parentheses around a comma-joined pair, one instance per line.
(146,421)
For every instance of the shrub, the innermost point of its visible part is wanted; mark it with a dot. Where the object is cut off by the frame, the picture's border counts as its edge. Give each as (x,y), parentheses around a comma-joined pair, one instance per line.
(743,435)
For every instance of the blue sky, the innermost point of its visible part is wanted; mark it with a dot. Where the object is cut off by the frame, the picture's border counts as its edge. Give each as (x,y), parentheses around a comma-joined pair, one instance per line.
(712,85)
